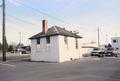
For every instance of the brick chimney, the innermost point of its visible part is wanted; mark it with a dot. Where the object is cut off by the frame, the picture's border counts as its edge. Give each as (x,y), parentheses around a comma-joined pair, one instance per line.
(44,26)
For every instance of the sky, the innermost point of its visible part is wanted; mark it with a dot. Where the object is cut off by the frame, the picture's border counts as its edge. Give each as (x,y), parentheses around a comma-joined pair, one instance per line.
(82,15)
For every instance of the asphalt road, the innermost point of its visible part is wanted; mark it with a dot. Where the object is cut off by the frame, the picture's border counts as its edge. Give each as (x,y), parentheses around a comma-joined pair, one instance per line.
(86,69)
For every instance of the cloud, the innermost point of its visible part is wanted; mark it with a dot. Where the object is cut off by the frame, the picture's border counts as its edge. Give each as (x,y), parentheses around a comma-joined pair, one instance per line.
(16,2)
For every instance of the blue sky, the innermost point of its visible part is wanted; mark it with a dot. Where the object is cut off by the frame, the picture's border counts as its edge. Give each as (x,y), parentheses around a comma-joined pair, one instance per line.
(82,15)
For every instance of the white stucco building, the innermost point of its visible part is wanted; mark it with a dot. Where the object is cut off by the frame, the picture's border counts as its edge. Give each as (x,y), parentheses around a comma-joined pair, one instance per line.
(115,42)
(55,44)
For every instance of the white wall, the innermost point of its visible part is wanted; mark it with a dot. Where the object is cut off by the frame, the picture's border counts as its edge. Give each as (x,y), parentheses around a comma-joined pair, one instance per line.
(57,51)
(68,51)
(44,52)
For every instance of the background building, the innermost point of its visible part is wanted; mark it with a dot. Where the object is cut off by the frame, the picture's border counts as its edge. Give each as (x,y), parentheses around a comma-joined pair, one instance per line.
(115,42)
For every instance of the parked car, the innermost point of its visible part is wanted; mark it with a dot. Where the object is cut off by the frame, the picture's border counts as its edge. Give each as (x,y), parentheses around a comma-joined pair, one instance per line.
(12,52)
(110,52)
(98,52)
(23,51)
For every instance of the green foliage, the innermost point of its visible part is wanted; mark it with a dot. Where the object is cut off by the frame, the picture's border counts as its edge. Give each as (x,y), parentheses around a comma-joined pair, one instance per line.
(10,48)
(0,46)
(6,44)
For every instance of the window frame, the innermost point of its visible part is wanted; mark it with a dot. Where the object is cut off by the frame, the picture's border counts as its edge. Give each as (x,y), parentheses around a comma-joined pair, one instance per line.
(38,41)
(48,39)
(66,39)
(76,43)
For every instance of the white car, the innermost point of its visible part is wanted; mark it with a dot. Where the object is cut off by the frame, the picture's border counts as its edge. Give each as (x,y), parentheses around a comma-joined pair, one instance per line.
(98,52)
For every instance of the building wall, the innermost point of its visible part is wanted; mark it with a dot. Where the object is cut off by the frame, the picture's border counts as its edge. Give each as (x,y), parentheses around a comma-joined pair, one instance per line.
(45,52)
(68,51)
(117,43)
(86,50)
(56,51)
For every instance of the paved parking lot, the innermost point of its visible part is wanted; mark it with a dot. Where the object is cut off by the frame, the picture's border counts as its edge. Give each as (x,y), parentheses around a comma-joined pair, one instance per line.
(15,56)
(85,69)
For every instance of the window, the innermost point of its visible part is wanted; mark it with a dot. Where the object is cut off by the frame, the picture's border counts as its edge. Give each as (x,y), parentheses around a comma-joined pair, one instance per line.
(65,39)
(114,41)
(48,40)
(38,48)
(76,43)
(38,40)
(117,48)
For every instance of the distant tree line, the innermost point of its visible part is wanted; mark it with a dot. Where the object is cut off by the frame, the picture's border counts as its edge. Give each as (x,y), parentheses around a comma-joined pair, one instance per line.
(10,47)
(6,46)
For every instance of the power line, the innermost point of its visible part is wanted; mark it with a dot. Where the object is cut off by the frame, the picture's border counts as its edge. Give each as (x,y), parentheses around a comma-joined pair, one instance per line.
(44,13)
(21,20)
(41,12)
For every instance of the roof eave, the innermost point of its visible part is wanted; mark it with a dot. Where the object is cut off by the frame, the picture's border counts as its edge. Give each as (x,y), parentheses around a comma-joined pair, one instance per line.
(43,36)
(55,35)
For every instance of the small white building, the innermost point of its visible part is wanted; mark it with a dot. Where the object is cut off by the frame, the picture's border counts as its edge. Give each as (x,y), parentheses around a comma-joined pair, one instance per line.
(55,44)
(115,42)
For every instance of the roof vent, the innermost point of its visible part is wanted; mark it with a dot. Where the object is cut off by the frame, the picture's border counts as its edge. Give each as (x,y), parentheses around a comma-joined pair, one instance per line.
(56,29)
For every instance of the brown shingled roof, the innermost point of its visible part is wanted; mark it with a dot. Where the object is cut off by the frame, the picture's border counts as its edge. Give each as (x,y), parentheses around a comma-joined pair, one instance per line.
(55,30)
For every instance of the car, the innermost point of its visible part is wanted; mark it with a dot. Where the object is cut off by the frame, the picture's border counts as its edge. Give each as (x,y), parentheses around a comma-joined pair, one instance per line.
(110,52)
(23,51)
(98,52)
(12,52)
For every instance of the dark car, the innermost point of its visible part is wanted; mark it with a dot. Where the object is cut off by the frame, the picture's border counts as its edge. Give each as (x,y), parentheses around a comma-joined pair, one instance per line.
(110,52)
(23,51)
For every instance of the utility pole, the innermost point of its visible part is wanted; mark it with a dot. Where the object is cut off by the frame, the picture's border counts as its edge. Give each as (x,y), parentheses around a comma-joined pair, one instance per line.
(3,31)
(20,38)
(106,39)
(98,37)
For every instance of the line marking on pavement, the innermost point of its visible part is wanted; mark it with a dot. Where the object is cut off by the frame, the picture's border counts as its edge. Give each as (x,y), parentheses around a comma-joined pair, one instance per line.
(10,65)
(87,59)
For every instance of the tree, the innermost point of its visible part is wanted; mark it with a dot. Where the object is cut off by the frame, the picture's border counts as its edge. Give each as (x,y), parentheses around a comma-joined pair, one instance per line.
(6,44)
(10,48)
(19,45)
(0,46)
(109,45)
